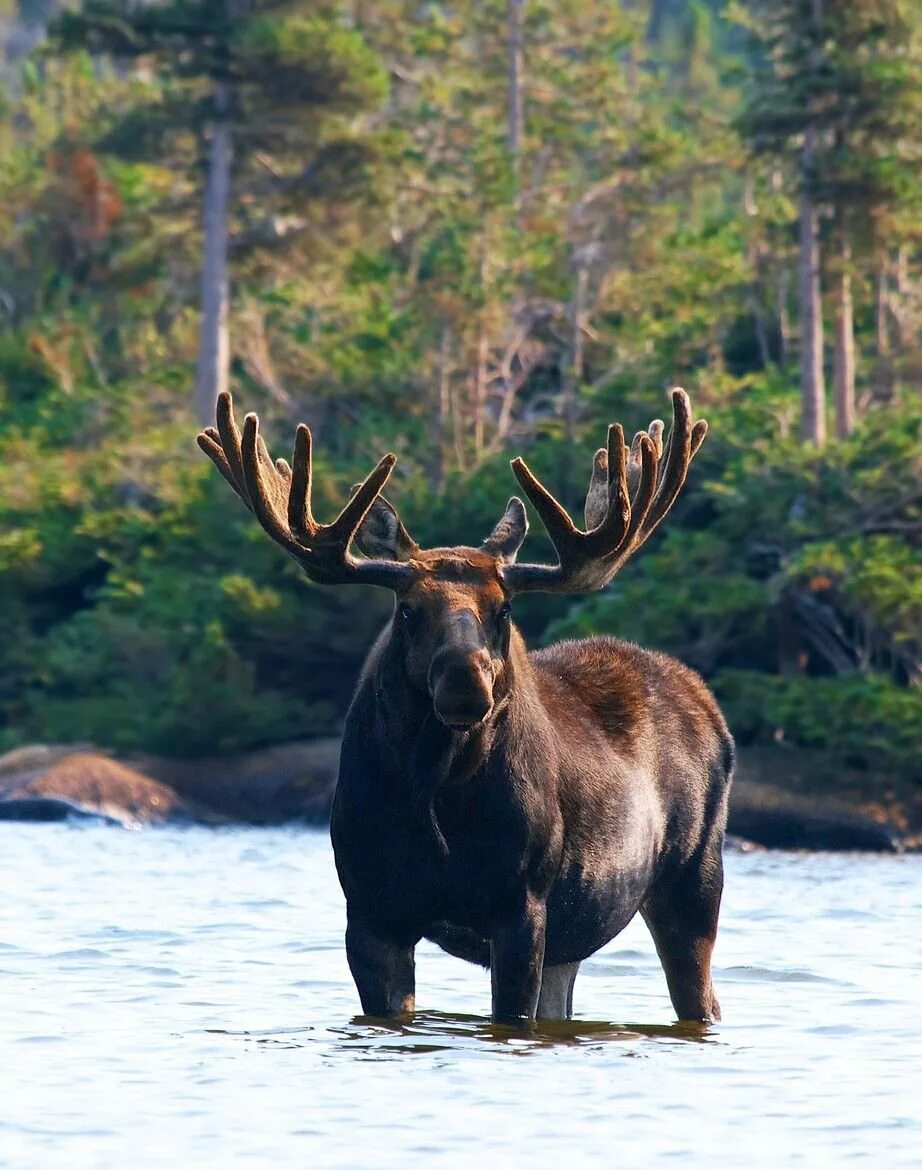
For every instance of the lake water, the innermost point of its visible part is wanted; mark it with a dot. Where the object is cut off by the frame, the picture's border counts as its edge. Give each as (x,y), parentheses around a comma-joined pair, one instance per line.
(180,998)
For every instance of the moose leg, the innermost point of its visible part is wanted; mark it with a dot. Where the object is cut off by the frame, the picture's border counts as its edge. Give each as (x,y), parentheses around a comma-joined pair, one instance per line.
(555,1001)
(516,960)
(681,913)
(384,971)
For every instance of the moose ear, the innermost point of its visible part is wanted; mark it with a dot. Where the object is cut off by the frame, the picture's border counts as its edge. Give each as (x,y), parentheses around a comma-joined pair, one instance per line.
(506,538)
(381,535)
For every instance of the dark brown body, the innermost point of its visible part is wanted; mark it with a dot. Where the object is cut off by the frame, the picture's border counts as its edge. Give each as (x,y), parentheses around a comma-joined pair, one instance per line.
(598,789)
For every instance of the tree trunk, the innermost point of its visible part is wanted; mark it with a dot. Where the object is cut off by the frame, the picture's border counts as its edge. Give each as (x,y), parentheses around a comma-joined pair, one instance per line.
(813,390)
(214,342)
(442,411)
(515,12)
(812,385)
(883,373)
(480,390)
(784,319)
(845,342)
(573,379)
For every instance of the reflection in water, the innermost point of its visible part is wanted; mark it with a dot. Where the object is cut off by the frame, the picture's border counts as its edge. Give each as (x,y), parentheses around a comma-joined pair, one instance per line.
(181,998)
(423,1032)
(426,1030)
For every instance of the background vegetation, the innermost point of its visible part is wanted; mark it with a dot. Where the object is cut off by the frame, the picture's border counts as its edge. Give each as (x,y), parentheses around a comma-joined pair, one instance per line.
(458,231)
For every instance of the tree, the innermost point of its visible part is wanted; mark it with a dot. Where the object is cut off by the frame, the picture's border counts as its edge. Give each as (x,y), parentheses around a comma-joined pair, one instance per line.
(873,115)
(836,96)
(270,77)
(782,117)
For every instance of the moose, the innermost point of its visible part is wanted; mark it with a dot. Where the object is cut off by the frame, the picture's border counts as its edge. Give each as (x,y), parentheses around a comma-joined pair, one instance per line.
(517,808)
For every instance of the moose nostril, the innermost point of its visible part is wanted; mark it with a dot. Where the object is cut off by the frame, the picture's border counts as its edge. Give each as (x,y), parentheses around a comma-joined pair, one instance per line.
(461,687)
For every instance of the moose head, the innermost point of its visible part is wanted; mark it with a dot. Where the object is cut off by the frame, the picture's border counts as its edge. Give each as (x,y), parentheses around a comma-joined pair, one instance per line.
(452,620)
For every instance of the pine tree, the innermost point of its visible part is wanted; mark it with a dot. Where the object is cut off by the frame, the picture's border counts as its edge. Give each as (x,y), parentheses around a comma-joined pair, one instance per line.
(836,96)
(252,78)
(873,153)
(783,118)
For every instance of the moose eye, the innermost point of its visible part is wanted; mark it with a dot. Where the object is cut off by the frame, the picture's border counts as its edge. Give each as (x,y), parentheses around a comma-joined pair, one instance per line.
(505,612)
(407,612)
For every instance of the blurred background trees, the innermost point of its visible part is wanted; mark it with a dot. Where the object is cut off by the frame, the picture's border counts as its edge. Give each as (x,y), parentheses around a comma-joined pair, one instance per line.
(458,232)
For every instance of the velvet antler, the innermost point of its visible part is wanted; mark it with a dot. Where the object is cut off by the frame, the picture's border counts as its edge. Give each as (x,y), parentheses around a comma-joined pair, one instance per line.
(629,494)
(279,496)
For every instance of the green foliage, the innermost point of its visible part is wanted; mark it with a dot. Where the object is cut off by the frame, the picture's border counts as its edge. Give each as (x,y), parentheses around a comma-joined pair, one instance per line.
(403,280)
(860,721)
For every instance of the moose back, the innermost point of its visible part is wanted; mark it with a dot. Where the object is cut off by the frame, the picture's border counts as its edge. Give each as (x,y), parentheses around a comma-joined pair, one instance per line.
(517,808)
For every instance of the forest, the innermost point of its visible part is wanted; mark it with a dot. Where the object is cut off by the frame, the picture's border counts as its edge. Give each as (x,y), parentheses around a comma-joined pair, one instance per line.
(460,232)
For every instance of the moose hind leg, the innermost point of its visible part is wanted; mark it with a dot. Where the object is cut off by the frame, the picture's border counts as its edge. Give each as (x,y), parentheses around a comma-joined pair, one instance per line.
(681,912)
(384,971)
(555,1000)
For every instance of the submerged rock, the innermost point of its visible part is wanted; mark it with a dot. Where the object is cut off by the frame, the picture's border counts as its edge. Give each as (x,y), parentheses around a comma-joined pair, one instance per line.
(51,808)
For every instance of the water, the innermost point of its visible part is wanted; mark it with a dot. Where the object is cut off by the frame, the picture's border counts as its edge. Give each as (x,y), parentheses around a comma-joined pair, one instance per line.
(180,998)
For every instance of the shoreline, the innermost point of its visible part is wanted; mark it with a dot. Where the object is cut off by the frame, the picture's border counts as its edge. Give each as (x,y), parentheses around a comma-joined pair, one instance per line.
(781,797)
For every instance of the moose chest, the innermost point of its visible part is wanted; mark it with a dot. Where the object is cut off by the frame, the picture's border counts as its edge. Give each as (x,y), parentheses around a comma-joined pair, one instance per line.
(464,853)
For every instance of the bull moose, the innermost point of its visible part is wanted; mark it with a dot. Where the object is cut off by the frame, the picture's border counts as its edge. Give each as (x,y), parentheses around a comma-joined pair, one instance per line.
(517,808)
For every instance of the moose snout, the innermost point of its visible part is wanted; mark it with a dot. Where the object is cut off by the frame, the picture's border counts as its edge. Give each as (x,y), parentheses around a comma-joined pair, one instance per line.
(461,686)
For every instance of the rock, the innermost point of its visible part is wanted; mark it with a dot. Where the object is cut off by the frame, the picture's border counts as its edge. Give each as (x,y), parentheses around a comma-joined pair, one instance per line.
(50,808)
(788,826)
(289,782)
(734,844)
(34,758)
(780,800)
(92,784)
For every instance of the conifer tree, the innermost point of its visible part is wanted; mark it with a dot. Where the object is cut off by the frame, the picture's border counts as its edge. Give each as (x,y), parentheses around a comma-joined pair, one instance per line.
(836,95)
(251,77)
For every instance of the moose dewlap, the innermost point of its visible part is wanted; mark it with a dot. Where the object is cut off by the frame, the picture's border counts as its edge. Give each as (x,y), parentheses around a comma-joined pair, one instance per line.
(516,808)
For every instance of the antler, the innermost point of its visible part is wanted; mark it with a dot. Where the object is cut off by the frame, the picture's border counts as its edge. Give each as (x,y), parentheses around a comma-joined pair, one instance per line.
(279,496)
(629,494)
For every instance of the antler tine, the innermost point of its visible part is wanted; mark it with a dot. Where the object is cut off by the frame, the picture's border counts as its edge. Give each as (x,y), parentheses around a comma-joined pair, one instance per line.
(629,495)
(265,508)
(655,431)
(560,528)
(230,438)
(597,496)
(676,458)
(608,481)
(211,445)
(279,495)
(299,493)
(346,524)
(643,494)
(609,531)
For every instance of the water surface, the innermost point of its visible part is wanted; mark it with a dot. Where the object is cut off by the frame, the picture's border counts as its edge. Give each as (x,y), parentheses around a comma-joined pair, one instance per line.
(180,998)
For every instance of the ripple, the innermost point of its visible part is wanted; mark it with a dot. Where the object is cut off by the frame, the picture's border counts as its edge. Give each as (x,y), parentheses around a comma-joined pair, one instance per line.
(776,975)
(80,953)
(202,1013)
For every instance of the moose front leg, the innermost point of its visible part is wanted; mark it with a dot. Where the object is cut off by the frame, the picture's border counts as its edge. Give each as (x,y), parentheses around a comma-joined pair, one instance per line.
(384,971)
(516,960)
